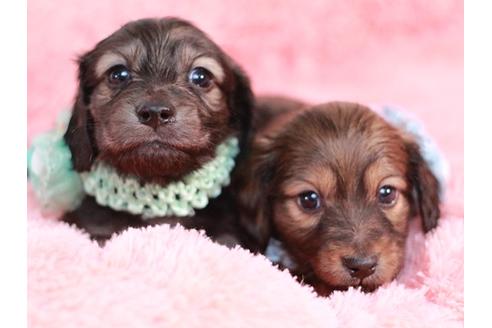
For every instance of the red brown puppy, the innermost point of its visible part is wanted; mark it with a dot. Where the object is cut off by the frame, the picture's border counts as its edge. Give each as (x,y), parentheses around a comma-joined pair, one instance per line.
(337,185)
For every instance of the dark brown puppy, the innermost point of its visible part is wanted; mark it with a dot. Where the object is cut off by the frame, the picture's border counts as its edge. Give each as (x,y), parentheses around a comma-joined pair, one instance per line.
(337,185)
(155,99)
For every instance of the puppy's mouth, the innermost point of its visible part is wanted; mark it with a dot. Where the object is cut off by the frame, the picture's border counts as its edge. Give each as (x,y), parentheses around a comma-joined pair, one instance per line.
(157,161)
(161,146)
(157,147)
(336,279)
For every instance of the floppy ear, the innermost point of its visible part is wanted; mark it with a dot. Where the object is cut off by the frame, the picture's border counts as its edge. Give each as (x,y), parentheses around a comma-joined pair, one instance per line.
(79,132)
(253,186)
(241,102)
(425,188)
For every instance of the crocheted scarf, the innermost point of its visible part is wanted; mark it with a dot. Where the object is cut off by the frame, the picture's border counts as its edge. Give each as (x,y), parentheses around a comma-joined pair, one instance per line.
(153,200)
(59,188)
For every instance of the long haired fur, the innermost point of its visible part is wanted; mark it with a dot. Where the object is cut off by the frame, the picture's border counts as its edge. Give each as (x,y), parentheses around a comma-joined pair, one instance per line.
(155,99)
(337,185)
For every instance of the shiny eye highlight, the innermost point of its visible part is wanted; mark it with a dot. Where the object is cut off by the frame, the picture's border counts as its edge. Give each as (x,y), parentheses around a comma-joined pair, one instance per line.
(309,201)
(200,77)
(387,196)
(119,74)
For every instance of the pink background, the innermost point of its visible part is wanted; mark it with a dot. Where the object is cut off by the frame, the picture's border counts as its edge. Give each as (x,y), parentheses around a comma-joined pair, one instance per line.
(389,52)
(405,53)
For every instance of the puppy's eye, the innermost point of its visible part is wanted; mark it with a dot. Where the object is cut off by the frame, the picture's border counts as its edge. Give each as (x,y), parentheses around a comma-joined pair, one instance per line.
(119,74)
(387,196)
(309,201)
(200,77)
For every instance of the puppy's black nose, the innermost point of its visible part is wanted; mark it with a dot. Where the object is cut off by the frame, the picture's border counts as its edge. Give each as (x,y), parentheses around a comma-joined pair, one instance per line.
(154,115)
(360,267)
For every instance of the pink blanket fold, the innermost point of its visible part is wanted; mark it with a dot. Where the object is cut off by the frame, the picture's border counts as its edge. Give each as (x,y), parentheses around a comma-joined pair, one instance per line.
(408,54)
(163,277)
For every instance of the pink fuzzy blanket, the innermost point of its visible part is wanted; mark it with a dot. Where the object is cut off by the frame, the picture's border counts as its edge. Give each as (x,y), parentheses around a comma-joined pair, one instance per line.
(404,53)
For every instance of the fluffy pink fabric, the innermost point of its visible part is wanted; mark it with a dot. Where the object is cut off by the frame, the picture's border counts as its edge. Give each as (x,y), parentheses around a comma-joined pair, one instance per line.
(404,53)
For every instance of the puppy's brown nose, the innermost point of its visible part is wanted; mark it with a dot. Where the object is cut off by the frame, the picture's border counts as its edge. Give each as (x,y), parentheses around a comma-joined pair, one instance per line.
(154,115)
(360,267)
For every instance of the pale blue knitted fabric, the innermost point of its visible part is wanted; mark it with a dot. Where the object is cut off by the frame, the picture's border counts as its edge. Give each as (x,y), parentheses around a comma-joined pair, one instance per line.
(151,200)
(430,152)
(59,188)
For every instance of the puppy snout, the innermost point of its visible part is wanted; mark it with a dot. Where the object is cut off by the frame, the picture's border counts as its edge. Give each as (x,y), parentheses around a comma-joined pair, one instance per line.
(360,267)
(155,115)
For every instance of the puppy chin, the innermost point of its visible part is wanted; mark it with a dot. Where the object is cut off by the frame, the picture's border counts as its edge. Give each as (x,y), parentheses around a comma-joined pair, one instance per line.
(156,162)
(345,283)
(338,279)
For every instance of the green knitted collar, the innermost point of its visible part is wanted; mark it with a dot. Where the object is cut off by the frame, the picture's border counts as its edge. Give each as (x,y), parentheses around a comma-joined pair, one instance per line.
(59,188)
(152,200)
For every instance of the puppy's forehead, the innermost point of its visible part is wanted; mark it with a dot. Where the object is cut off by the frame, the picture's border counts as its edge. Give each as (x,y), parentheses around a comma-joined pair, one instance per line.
(158,45)
(346,139)
(126,52)
(155,34)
